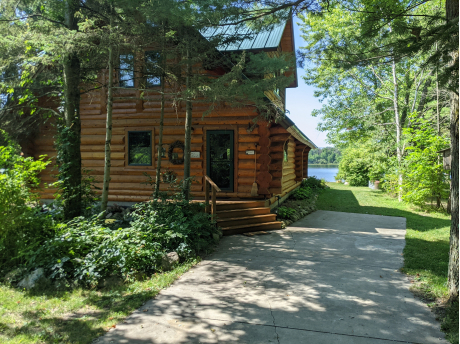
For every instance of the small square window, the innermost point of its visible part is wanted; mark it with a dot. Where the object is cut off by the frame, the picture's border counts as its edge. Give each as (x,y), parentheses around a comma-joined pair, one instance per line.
(126,71)
(152,69)
(140,148)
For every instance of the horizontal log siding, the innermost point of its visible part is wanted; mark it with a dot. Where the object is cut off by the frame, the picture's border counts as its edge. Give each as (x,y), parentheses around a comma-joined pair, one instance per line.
(127,181)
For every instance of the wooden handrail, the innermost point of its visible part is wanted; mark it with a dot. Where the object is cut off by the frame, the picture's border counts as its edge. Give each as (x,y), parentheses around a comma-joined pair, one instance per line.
(212,183)
(208,182)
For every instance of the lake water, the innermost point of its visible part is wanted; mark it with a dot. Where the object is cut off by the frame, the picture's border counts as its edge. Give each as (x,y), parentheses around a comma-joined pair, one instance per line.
(326,172)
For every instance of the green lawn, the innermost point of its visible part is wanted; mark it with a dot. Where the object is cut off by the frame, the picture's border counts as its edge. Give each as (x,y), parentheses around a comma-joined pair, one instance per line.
(77,316)
(426,254)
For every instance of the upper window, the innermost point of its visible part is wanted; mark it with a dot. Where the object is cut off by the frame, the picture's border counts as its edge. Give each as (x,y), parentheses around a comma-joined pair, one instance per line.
(126,71)
(140,148)
(285,151)
(152,69)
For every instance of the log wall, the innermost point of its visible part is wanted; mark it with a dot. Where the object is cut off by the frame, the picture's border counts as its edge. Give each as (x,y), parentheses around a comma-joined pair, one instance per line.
(136,110)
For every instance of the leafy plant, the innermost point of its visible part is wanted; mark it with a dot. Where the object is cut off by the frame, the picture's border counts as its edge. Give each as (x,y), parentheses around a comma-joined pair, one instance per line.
(285,213)
(86,250)
(22,223)
(424,175)
(302,193)
(313,183)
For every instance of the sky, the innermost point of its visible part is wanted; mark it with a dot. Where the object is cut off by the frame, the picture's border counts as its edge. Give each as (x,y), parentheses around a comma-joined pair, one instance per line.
(300,101)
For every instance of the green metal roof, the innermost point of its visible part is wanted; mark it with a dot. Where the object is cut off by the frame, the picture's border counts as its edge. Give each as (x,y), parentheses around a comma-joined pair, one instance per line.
(263,40)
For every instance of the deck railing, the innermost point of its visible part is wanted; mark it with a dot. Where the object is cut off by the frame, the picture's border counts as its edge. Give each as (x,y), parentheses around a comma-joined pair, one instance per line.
(208,183)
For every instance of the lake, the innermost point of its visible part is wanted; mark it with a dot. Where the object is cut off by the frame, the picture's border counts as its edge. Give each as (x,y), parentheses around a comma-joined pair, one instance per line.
(326,172)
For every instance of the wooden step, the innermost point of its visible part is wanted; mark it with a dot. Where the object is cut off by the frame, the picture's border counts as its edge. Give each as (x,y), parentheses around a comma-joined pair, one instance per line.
(251,228)
(245,220)
(225,214)
(240,205)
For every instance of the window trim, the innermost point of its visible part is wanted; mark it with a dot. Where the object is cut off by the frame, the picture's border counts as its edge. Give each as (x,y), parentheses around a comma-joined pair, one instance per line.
(152,144)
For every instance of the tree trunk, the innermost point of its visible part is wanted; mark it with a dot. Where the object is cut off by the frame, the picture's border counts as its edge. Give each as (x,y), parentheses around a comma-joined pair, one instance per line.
(452,15)
(398,128)
(108,133)
(453,255)
(421,104)
(162,115)
(188,127)
(71,164)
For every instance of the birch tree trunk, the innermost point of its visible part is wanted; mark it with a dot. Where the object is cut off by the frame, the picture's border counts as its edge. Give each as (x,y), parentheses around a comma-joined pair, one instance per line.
(71,166)
(188,127)
(399,153)
(452,15)
(162,115)
(108,132)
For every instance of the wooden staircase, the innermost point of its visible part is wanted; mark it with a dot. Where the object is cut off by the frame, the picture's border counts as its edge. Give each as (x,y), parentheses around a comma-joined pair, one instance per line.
(245,216)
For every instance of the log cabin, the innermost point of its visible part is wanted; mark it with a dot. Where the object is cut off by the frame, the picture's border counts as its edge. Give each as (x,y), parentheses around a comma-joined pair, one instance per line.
(228,148)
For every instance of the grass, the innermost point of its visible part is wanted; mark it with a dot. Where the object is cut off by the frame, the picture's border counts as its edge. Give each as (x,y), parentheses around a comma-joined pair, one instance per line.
(76,316)
(426,254)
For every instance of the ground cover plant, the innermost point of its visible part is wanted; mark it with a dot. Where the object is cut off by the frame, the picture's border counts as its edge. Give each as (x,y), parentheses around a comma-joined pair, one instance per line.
(426,254)
(301,201)
(86,250)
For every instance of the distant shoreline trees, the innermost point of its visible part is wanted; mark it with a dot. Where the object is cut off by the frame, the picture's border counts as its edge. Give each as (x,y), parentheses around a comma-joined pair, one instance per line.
(324,156)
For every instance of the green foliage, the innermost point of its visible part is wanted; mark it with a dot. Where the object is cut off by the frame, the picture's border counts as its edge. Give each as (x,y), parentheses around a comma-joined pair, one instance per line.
(313,183)
(86,250)
(424,177)
(303,192)
(450,323)
(22,223)
(360,163)
(285,213)
(327,155)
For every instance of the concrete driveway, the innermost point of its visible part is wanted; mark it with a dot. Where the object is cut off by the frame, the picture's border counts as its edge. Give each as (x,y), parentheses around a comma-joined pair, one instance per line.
(329,278)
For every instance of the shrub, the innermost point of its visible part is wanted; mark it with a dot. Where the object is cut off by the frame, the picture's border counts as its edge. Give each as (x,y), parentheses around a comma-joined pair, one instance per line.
(362,163)
(302,193)
(424,177)
(313,183)
(285,213)
(22,223)
(86,250)
(192,227)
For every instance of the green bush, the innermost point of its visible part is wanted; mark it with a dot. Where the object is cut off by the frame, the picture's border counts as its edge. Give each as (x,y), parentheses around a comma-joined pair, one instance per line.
(86,250)
(424,177)
(313,183)
(285,213)
(186,226)
(22,222)
(361,163)
(302,193)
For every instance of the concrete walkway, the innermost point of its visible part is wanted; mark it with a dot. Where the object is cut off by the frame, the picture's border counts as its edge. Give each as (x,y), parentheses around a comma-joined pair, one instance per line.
(330,278)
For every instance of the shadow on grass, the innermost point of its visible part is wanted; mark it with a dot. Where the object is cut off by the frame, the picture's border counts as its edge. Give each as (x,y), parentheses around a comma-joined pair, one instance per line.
(81,315)
(107,307)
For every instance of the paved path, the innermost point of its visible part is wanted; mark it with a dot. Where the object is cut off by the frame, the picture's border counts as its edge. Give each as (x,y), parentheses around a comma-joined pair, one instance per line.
(330,278)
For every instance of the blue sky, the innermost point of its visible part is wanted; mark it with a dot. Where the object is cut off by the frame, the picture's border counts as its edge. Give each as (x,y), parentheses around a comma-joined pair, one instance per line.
(301,102)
